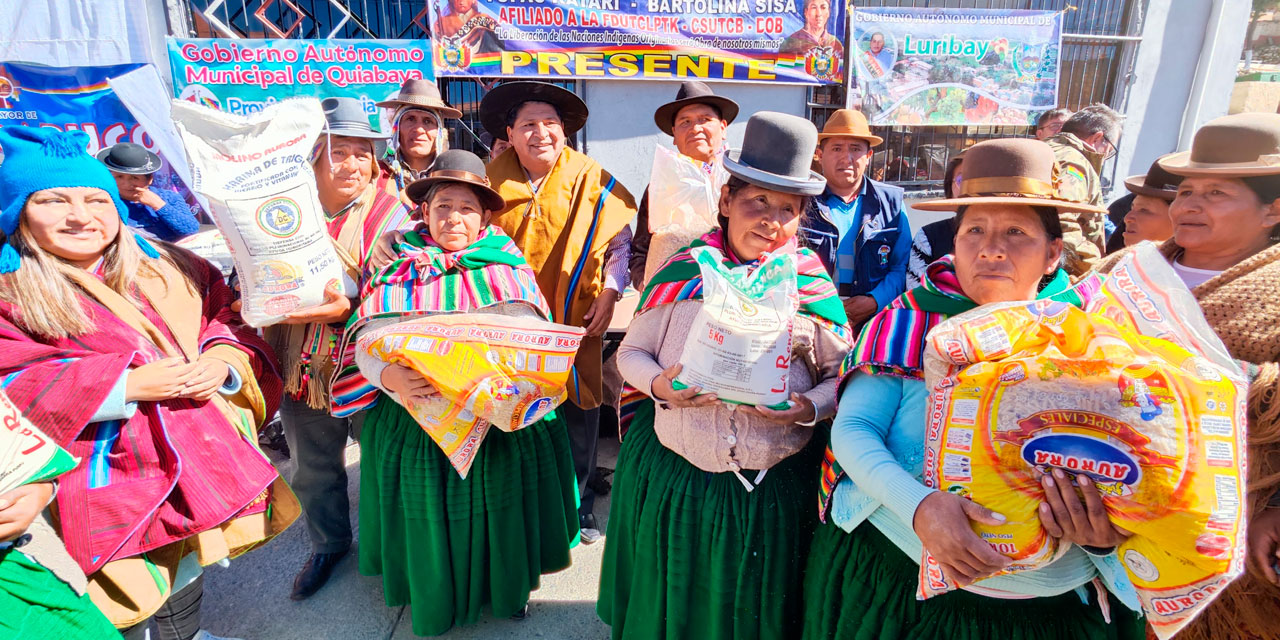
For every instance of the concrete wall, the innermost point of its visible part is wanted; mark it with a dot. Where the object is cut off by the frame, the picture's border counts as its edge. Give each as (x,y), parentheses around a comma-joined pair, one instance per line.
(1255,96)
(621,135)
(1182,77)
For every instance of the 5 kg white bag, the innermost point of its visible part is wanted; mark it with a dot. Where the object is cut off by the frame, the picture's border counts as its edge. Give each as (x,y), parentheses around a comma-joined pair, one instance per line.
(255,172)
(739,346)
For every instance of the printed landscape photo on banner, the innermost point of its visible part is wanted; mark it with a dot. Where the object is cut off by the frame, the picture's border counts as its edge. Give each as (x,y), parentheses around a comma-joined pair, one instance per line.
(788,41)
(955,66)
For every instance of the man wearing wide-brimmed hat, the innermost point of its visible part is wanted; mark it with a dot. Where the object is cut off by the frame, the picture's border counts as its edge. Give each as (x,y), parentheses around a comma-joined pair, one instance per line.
(570,218)
(857,226)
(160,212)
(696,121)
(357,213)
(418,134)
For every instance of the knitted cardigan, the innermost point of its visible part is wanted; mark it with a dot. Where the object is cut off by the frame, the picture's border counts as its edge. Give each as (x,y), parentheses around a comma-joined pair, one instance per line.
(1241,308)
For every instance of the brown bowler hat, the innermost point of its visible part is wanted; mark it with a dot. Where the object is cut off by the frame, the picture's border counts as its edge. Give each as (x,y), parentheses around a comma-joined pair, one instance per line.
(1158,183)
(848,122)
(421,93)
(693,92)
(1018,171)
(1237,146)
(461,167)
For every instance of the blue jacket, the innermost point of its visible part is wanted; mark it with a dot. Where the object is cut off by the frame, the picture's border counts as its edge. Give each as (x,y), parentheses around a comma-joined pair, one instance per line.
(880,259)
(174,221)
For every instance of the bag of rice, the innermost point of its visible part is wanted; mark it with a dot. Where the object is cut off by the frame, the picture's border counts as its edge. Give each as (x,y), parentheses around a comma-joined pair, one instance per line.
(255,172)
(488,369)
(682,205)
(27,455)
(1135,393)
(739,346)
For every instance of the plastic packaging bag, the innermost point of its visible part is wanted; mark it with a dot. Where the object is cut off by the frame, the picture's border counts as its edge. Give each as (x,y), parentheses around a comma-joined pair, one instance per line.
(739,346)
(488,368)
(1135,393)
(255,172)
(27,455)
(682,205)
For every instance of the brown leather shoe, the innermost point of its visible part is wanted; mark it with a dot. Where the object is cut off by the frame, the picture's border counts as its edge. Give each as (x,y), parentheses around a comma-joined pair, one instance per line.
(315,573)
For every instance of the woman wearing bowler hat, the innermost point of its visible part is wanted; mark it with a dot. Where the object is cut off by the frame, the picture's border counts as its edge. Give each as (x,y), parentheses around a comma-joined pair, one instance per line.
(447,545)
(160,212)
(712,503)
(1226,248)
(863,570)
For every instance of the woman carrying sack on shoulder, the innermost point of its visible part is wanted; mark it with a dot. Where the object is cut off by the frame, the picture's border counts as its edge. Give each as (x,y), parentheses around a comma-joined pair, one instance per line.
(444,544)
(129,357)
(1226,248)
(710,522)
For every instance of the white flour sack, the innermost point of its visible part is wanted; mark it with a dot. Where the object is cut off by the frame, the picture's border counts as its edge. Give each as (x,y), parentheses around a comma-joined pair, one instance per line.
(739,346)
(262,193)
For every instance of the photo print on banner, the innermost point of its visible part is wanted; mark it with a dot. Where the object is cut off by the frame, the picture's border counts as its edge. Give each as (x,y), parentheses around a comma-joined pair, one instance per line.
(786,41)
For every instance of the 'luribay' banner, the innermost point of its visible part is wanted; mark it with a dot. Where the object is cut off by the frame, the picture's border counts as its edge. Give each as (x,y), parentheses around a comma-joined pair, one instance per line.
(797,41)
(243,76)
(955,66)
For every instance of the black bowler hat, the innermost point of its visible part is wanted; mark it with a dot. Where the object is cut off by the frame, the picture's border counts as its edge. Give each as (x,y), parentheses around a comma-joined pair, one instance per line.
(461,167)
(693,92)
(777,151)
(130,158)
(495,105)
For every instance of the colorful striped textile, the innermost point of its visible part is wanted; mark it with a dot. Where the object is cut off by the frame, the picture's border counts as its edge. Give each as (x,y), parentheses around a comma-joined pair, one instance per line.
(679,278)
(425,279)
(631,400)
(892,343)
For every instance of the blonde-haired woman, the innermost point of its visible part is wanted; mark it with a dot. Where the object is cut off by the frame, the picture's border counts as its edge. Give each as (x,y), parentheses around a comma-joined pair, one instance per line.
(131,359)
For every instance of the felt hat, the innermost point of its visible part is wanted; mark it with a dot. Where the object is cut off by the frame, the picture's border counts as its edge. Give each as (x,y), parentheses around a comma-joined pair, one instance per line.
(423,94)
(1236,146)
(777,149)
(460,167)
(1157,183)
(346,117)
(39,158)
(693,92)
(1019,171)
(851,123)
(500,99)
(130,158)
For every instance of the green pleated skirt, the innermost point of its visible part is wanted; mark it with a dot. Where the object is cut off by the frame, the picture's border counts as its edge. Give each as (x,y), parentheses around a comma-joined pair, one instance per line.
(34,603)
(693,555)
(448,546)
(860,586)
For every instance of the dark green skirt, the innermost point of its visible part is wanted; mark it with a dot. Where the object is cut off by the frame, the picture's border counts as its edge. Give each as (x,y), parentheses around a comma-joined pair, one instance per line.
(448,546)
(691,554)
(34,603)
(860,586)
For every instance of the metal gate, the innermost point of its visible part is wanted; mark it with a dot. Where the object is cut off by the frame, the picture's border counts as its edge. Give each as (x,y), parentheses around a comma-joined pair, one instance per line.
(1099,43)
(317,19)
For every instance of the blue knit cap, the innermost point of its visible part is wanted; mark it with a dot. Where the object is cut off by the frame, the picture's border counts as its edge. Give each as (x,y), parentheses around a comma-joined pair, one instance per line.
(38,158)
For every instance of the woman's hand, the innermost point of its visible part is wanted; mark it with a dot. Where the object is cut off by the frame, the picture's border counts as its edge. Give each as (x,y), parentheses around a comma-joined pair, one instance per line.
(1064,517)
(801,410)
(19,508)
(209,377)
(407,383)
(943,523)
(160,380)
(1263,543)
(335,308)
(684,399)
(384,250)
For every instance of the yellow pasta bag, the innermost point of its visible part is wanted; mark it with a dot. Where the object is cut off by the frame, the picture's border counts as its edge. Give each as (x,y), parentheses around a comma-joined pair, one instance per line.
(489,370)
(1134,392)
